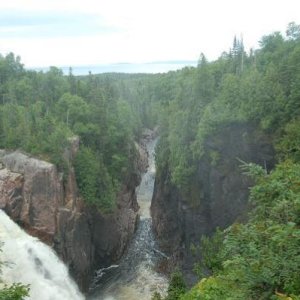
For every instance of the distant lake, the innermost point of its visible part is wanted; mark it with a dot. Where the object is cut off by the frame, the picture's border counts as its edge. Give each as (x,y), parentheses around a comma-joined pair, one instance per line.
(155,67)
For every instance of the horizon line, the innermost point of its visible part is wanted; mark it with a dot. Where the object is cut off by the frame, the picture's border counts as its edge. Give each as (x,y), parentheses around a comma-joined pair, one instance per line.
(179,61)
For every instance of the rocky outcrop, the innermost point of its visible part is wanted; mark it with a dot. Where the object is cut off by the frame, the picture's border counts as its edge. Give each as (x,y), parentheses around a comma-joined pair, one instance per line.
(35,195)
(218,192)
(31,192)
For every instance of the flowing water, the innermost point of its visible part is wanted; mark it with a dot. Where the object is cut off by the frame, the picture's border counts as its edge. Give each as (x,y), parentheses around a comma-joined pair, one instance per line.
(29,261)
(135,278)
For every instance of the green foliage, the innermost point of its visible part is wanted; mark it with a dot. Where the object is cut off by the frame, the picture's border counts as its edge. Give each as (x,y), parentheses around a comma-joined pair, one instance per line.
(261,88)
(39,112)
(211,254)
(156,296)
(72,109)
(214,288)
(16,291)
(252,170)
(177,287)
(29,130)
(259,259)
(93,180)
(288,146)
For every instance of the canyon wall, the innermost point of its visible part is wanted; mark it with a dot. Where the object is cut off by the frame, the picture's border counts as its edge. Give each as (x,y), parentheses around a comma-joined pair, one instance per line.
(218,192)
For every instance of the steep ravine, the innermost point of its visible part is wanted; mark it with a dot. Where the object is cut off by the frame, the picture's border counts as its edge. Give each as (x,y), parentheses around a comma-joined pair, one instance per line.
(34,195)
(135,277)
(220,192)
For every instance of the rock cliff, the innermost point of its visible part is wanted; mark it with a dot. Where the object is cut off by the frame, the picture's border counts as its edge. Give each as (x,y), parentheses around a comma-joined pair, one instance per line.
(218,192)
(34,194)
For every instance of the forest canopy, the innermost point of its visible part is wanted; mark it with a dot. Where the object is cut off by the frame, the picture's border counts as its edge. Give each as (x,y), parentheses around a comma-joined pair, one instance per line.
(41,112)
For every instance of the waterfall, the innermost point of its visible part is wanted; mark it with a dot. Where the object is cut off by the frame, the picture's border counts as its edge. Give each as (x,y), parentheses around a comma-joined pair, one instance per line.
(135,278)
(29,261)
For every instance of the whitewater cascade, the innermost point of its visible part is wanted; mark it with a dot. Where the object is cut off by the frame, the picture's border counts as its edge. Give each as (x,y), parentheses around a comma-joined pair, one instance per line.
(135,278)
(29,261)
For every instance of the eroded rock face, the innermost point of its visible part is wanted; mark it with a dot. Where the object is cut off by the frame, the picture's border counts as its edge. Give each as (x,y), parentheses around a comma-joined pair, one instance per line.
(11,186)
(219,191)
(117,229)
(33,194)
(74,244)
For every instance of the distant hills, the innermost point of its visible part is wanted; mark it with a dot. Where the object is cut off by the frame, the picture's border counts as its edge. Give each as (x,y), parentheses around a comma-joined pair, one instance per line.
(124,67)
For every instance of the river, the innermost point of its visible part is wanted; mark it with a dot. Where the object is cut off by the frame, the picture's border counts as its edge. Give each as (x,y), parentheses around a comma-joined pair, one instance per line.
(134,277)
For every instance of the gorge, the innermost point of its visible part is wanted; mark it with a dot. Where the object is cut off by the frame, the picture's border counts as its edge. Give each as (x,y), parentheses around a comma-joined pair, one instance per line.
(77,172)
(135,277)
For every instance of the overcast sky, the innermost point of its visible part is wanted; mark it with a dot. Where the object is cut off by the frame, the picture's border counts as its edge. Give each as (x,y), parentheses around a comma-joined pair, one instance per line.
(89,32)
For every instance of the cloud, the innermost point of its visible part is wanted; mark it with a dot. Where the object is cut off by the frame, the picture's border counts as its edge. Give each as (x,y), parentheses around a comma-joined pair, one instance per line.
(42,24)
(75,32)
